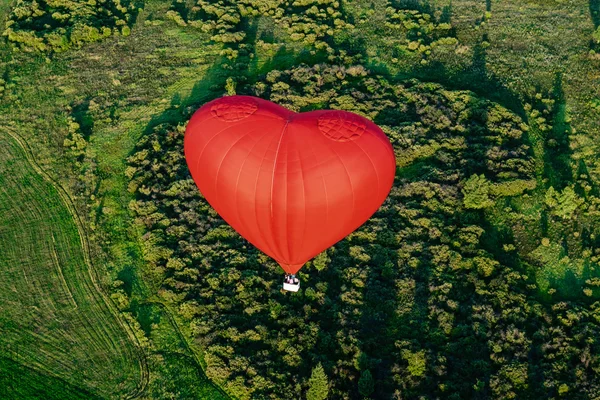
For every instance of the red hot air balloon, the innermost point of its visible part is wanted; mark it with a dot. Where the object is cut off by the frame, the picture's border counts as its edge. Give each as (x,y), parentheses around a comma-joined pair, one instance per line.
(292,184)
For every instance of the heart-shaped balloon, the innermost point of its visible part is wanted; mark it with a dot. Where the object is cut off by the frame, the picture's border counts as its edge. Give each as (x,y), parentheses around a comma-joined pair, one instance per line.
(293,184)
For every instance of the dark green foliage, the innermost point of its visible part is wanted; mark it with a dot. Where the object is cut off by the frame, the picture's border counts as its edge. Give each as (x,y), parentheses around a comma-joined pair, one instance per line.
(366,386)
(318,386)
(56,25)
(595,12)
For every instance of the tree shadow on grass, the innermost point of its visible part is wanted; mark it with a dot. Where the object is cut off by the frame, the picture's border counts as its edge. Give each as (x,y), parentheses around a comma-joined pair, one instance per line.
(127,275)
(81,115)
(594,6)
(423,6)
(475,78)
(557,154)
(446,15)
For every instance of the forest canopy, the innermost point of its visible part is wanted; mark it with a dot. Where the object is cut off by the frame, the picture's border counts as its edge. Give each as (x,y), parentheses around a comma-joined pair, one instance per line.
(56,25)
(424,298)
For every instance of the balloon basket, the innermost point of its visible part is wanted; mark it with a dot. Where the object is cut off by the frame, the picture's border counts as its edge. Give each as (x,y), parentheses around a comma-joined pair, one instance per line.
(290,287)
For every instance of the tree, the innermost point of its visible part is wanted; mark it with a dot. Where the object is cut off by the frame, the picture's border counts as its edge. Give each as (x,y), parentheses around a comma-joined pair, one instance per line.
(416,362)
(596,35)
(476,192)
(366,385)
(321,261)
(217,280)
(230,86)
(318,384)
(563,204)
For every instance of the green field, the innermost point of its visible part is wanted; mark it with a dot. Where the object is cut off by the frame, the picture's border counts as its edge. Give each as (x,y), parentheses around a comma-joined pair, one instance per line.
(55,319)
(162,364)
(20,382)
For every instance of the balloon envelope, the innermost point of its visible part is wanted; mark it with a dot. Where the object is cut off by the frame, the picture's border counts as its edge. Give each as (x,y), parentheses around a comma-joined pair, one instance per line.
(292,184)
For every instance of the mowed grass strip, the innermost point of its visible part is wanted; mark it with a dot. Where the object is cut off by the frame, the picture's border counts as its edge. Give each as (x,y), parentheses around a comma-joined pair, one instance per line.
(52,316)
(18,382)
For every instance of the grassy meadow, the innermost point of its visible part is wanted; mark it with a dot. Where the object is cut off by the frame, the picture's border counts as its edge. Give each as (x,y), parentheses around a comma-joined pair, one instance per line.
(55,319)
(154,360)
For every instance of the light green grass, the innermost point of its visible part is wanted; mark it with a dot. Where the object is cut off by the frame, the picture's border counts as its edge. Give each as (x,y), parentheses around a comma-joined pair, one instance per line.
(52,310)
(179,372)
